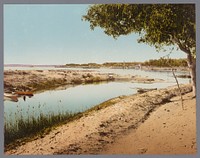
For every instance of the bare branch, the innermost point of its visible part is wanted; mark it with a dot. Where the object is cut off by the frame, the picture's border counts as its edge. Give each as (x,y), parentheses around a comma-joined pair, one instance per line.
(176,80)
(184,49)
(178,88)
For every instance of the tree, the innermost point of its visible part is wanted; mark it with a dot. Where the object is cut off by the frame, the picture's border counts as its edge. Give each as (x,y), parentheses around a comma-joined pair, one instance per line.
(158,25)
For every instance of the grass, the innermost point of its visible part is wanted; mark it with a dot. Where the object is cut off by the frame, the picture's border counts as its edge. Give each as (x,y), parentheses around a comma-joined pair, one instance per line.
(28,129)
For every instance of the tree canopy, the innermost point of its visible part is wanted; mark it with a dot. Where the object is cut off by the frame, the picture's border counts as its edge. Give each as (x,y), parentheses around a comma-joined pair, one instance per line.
(157,24)
(166,62)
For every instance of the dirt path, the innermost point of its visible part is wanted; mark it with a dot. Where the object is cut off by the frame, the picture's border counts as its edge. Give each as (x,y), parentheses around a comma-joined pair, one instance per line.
(168,130)
(100,130)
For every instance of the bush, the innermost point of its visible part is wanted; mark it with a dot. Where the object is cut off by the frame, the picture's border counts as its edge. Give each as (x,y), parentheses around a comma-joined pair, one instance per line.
(76,81)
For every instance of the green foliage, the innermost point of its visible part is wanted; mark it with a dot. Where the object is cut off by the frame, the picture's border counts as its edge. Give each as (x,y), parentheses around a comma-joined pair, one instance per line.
(88,65)
(28,127)
(120,64)
(24,128)
(162,62)
(158,25)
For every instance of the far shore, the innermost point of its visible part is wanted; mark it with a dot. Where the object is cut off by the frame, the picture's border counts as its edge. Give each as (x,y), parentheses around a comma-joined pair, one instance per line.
(39,80)
(99,66)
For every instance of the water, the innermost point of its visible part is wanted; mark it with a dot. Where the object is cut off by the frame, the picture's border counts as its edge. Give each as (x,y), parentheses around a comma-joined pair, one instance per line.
(82,97)
(152,74)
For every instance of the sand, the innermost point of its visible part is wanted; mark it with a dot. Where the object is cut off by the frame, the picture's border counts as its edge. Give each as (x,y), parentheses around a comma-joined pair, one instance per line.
(40,80)
(168,130)
(149,123)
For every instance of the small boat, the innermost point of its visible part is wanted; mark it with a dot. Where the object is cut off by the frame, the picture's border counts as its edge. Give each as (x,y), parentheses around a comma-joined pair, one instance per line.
(28,93)
(10,97)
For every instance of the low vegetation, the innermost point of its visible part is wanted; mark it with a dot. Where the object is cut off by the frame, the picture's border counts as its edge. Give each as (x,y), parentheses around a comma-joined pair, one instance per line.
(49,84)
(162,62)
(24,127)
(30,128)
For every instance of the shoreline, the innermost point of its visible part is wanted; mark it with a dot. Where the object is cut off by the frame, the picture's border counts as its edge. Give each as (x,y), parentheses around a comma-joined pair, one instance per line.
(168,130)
(40,80)
(47,80)
(33,81)
(124,114)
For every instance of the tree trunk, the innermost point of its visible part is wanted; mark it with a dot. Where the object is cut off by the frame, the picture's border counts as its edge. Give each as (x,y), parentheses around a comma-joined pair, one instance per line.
(192,66)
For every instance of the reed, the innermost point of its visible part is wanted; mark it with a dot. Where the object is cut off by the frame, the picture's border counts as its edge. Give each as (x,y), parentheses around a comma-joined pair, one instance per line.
(26,127)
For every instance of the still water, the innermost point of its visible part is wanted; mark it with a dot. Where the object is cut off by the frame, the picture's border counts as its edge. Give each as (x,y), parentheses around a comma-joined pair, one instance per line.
(82,97)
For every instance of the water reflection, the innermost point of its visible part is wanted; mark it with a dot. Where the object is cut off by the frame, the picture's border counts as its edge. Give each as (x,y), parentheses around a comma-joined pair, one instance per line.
(79,98)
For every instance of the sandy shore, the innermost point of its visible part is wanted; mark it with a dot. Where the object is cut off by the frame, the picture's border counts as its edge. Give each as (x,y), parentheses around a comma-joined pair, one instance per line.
(36,80)
(106,130)
(168,130)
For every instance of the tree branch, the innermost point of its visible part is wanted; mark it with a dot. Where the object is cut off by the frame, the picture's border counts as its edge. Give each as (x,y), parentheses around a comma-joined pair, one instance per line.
(175,79)
(184,49)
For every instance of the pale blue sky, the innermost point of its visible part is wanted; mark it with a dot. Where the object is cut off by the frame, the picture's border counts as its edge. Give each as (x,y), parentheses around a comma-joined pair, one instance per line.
(55,34)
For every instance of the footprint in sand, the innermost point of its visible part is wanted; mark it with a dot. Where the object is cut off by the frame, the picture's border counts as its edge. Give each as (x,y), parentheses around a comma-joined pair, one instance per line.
(142,150)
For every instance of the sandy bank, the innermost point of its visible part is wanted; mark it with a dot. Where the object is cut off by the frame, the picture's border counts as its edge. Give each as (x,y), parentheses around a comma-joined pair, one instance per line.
(93,133)
(36,80)
(168,130)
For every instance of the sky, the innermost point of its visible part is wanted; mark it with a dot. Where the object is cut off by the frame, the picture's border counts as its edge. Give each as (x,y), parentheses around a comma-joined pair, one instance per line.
(55,34)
